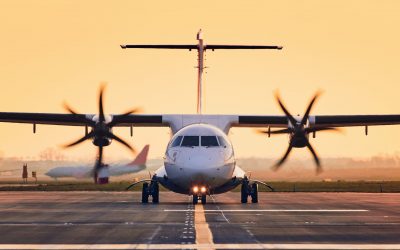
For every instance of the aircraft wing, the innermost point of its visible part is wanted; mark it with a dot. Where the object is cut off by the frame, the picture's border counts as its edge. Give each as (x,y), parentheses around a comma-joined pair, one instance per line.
(355,120)
(177,121)
(43,118)
(319,120)
(78,119)
(139,121)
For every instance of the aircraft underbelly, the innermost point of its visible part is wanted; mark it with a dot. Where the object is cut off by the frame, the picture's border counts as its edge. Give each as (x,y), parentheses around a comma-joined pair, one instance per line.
(211,177)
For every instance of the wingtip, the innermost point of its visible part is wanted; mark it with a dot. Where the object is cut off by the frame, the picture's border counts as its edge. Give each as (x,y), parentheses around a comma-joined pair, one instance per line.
(123,46)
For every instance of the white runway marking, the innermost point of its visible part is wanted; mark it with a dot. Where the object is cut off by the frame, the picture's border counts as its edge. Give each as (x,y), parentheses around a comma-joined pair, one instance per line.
(274,210)
(200,246)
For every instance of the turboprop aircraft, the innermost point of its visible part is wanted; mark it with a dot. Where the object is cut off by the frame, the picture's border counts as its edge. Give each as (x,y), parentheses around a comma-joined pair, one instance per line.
(80,172)
(199,159)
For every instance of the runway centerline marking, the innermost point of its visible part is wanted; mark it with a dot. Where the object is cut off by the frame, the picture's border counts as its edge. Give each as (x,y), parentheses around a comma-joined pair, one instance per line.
(203,232)
(273,210)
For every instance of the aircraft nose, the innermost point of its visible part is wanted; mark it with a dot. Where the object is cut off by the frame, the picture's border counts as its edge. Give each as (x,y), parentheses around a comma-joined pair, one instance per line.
(201,161)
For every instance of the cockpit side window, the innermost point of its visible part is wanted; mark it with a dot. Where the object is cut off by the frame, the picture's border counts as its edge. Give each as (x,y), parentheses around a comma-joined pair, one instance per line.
(209,141)
(177,141)
(190,141)
(222,141)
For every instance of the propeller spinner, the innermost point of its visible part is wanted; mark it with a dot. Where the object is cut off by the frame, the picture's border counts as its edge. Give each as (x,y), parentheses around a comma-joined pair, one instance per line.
(101,132)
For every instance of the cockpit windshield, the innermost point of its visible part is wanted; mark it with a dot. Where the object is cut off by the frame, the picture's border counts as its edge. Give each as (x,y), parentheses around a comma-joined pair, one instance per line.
(222,141)
(209,141)
(190,141)
(195,141)
(177,141)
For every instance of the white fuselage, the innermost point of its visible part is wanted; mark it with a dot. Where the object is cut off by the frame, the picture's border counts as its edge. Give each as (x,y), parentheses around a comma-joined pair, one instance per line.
(199,155)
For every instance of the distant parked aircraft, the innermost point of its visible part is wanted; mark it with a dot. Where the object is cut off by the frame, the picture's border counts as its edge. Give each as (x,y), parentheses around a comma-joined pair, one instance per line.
(114,170)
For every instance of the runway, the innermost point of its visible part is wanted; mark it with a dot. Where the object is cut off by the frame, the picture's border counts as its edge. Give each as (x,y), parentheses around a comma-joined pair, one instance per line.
(117,220)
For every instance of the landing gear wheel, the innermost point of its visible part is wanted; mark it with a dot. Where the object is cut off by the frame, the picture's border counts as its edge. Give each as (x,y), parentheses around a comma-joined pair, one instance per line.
(244,192)
(254,193)
(203,199)
(156,192)
(145,193)
(195,198)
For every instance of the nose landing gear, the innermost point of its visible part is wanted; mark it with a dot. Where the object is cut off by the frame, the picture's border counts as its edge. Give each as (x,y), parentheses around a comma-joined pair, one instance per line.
(199,194)
(202,197)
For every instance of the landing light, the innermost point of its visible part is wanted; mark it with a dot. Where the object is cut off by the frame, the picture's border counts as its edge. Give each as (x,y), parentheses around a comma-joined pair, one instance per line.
(195,189)
(203,189)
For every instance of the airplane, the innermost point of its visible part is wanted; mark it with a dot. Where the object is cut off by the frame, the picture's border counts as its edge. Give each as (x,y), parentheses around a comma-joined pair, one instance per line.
(199,159)
(79,172)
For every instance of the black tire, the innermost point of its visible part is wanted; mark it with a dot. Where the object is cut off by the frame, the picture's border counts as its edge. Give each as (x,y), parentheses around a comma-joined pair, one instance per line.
(195,198)
(254,193)
(203,199)
(156,193)
(244,193)
(145,193)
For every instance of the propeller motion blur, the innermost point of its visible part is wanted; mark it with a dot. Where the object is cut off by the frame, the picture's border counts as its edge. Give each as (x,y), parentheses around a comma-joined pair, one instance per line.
(101,133)
(199,159)
(298,131)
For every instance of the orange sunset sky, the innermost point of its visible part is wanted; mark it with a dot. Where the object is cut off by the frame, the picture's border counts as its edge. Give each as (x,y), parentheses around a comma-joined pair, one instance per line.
(53,51)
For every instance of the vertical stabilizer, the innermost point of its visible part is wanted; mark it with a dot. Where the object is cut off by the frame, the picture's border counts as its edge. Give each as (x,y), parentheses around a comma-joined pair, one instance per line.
(141,158)
(201,47)
(200,66)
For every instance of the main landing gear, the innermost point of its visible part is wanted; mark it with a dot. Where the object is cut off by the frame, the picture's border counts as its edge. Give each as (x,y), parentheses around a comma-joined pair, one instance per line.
(249,190)
(151,189)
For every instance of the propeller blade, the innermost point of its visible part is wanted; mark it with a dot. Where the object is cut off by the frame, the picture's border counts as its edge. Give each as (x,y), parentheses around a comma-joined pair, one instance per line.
(282,131)
(72,111)
(86,137)
(132,111)
(111,135)
(307,113)
(279,163)
(289,116)
(101,109)
(69,109)
(99,164)
(316,159)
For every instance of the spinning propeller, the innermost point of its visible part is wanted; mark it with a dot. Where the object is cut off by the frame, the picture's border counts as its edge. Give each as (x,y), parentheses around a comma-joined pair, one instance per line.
(299,132)
(101,132)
